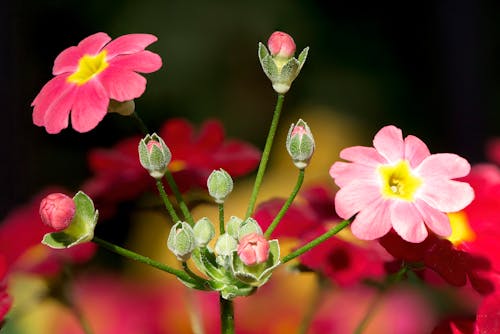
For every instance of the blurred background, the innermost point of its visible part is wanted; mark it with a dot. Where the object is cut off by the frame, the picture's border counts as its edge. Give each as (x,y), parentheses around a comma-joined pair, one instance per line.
(431,69)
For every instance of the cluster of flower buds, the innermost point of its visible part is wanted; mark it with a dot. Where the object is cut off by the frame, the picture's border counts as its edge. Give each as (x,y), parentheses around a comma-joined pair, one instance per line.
(300,144)
(73,219)
(278,63)
(154,155)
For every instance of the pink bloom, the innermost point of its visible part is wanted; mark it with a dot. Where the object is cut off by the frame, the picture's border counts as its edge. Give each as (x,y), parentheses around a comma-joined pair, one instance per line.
(88,75)
(281,44)
(399,184)
(253,249)
(57,211)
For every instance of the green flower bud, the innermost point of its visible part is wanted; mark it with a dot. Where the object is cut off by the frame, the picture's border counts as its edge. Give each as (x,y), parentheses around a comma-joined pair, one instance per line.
(154,155)
(81,227)
(233,226)
(220,185)
(300,144)
(204,231)
(250,225)
(181,240)
(226,245)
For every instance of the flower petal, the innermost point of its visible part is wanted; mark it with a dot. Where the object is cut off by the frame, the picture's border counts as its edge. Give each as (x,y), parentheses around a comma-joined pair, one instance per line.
(446,195)
(128,44)
(56,115)
(345,172)
(93,44)
(67,61)
(143,61)
(415,151)
(362,155)
(389,143)
(46,97)
(443,165)
(122,85)
(354,197)
(437,221)
(373,221)
(407,222)
(90,107)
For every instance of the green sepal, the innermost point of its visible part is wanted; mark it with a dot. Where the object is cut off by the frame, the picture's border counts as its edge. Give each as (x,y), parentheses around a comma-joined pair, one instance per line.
(302,57)
(81,228)
(258,274)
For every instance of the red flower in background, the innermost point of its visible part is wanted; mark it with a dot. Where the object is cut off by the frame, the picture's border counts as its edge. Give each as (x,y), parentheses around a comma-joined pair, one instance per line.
(5,299)
(119,176)
(344,262)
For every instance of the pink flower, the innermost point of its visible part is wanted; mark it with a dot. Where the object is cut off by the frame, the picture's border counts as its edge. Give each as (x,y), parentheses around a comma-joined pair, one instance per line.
(281,44)
(89,75)
(57,211)
(399,184)
(253,249)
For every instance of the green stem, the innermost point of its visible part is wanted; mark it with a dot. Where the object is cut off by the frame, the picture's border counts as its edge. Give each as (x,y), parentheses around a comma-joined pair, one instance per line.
(166,201)
(201,281)
(339,227)
(221,219)
(140,123)
(287,204)
(178,197)
(226,316)
(143,259)
(265,154)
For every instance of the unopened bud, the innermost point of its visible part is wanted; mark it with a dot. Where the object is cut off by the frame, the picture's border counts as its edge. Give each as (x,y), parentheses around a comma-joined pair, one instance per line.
(253,249)
(300,144)
(233,226)
(281,44)
(204,231)
(225,245)
(154,155)
(181,241)
(57,211)
(220,185)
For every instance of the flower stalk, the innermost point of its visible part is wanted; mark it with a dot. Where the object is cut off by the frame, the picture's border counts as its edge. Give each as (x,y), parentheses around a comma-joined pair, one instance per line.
(166,201)
(226,315)
(178,196)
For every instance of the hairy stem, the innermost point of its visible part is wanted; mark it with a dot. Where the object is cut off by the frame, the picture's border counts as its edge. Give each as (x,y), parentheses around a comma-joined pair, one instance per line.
(166,201)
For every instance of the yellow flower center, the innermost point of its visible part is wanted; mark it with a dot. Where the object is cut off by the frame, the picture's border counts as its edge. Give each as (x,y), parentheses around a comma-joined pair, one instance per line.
(460,228)
(398,181)
(88,67)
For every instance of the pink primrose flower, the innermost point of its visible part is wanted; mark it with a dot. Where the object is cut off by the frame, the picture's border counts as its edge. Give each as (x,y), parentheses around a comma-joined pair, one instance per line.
(253,249)
(399,184)
(88,75)
(57,211)
(281,44)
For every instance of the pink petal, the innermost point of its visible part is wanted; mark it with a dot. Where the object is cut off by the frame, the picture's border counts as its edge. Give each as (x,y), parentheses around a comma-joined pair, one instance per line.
(362,155)
(407,221)
(389,143)
(93,44)
(446,195)
(128,44)
(122,85)
(415,151)
(437,221)
(354,197)
(143,61)
(373,221)
(56,116)
(443,165)
(346,172)
(67,61)
(90,107)
(46,97)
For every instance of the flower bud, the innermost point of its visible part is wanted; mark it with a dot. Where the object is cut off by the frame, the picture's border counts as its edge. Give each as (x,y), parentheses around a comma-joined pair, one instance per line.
(233,226)
(253,249)
(225,245)
(300,144)
(249,226)
(281,44)
(181,240)
(154,155)
(57,211)
(220,185)
(203,231)
(278,62)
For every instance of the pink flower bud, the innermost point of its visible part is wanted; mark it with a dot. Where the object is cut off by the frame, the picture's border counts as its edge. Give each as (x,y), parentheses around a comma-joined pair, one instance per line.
(57,211)
(153,143)
(253,248)
(281,44)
